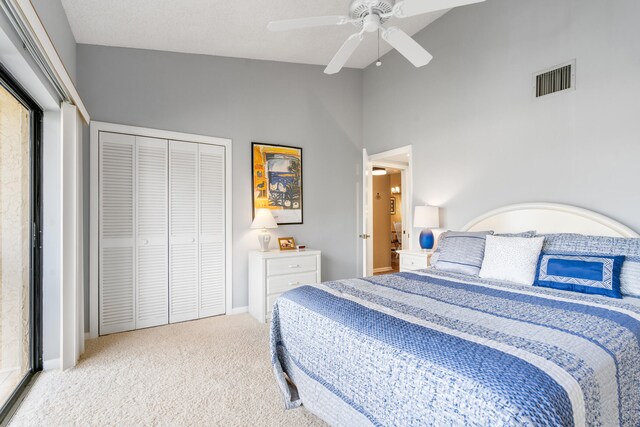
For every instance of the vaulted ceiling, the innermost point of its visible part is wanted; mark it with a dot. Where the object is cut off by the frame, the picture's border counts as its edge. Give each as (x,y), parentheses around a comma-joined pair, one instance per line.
(235,28)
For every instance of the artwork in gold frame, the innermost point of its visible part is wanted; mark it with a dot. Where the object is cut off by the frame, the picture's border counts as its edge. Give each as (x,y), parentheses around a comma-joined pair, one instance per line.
(287,243)
(277,181)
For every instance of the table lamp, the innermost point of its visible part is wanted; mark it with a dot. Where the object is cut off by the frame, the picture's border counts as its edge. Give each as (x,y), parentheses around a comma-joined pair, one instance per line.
(426,217)
(264,220)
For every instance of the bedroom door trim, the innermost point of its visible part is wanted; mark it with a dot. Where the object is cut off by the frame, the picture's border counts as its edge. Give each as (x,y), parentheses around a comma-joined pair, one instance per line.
(399,158)
(96,128)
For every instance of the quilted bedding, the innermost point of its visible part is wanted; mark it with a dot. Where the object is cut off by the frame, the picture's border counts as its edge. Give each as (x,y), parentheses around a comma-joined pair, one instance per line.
(429,348)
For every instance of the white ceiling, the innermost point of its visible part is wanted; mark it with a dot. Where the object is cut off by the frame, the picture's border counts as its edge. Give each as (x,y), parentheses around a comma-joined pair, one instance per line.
(235,28)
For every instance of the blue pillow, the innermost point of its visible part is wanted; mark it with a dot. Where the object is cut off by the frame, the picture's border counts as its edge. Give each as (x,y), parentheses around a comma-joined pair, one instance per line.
(588,274)
(462,252)
(615,246)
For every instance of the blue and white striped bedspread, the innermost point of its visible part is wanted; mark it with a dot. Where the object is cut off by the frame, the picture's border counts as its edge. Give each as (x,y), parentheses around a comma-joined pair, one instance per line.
(430,348)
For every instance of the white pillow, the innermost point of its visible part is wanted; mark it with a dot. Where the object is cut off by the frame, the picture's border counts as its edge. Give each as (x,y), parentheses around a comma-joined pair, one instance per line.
(512,259)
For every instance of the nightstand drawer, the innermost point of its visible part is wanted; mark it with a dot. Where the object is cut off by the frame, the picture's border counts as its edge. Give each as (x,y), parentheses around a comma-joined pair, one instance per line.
(299,264)
(274,272)
(280,284)
(414,262)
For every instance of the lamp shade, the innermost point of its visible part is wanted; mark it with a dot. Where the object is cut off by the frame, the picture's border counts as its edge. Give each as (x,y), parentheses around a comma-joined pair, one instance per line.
(426,217)
(264,219)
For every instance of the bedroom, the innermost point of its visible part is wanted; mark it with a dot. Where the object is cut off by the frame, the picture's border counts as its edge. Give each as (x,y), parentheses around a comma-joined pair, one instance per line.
(479,140)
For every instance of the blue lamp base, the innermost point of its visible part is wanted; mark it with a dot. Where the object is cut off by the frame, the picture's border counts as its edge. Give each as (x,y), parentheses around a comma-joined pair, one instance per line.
(426,239)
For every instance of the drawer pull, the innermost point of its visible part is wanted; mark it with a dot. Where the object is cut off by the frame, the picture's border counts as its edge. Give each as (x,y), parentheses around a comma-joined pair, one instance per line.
(294,283)
(294,266)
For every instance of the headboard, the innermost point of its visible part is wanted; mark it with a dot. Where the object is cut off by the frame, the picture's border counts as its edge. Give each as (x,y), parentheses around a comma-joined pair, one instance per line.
(549,218)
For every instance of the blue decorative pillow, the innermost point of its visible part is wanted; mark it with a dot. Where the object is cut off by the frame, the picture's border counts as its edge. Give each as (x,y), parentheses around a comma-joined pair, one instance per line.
(462,252)
(629,247)
(588,274)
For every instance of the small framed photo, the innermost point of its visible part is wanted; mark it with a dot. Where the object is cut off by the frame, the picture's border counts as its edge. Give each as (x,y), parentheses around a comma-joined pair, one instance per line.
(287,243)
(393,206)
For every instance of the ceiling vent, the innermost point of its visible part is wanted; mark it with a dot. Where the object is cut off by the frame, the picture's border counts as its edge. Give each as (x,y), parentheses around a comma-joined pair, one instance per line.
(558,79)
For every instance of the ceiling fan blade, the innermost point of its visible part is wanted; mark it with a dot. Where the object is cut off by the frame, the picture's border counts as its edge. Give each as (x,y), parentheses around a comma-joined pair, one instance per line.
(407,46)
(344,54)
(406,8)
(317,21)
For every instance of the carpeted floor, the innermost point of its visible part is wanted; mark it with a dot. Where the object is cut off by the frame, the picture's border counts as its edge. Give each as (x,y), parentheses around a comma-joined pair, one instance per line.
(207,372)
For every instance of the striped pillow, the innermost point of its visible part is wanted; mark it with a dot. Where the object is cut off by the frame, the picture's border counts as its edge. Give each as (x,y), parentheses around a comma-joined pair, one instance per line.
(462,252)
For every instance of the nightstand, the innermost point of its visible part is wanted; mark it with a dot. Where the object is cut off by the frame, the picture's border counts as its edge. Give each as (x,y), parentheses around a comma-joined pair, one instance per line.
(274,272)
(414,260)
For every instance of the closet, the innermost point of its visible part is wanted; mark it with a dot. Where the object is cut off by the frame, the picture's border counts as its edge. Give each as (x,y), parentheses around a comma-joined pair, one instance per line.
(161,231)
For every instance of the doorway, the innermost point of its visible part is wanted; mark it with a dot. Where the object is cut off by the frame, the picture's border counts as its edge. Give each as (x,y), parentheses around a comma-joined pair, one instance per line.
(387,219)
(386,207)
(20,237)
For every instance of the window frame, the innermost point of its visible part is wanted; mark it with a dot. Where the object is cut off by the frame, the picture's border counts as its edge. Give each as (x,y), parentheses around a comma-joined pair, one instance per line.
(35,263)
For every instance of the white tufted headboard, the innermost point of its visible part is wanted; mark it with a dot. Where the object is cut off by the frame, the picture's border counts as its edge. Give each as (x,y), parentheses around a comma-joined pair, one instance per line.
(549,218)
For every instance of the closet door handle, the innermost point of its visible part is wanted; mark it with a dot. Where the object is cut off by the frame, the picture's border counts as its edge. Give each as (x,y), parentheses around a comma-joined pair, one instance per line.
(193,240)
(145,241)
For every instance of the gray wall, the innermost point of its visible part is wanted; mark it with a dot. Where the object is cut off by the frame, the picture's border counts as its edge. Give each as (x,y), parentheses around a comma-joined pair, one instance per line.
(55,21)
(247,100)
(481,141)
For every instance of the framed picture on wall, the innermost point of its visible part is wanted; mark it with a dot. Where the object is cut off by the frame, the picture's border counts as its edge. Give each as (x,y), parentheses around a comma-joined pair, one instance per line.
(393,206)
(277,181)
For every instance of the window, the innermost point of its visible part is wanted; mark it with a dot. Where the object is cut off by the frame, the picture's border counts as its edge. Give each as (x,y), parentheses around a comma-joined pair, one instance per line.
(20,235)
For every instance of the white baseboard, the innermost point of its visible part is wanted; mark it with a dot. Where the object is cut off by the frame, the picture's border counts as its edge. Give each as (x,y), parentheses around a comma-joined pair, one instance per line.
(382,269)
(239,310)
(51,364)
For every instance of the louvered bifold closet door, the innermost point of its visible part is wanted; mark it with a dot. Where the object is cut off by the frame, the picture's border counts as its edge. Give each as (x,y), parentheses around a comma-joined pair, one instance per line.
(117,232)
(183,231)
(212,230)
(152,302)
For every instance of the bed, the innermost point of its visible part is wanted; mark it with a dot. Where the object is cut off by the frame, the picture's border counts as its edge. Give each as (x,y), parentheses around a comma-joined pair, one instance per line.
(434,348)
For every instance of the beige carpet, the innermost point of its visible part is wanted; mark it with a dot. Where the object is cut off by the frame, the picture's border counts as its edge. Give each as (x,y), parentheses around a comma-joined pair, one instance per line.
(213,371)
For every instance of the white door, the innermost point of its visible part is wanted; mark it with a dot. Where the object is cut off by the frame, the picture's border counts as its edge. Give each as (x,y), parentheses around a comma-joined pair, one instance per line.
(367,215)
(212,230)
(152,232)
(183,231)
(117,232)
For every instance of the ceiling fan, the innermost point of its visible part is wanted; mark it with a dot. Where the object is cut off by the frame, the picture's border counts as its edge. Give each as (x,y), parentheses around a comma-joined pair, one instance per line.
(370,16)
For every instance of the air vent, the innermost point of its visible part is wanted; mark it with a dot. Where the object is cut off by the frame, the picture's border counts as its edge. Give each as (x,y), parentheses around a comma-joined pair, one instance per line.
(555,80)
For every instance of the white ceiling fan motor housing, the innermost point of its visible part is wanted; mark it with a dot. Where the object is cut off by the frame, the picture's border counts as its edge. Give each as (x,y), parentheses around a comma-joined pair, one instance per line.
(368,12)
(371,23)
